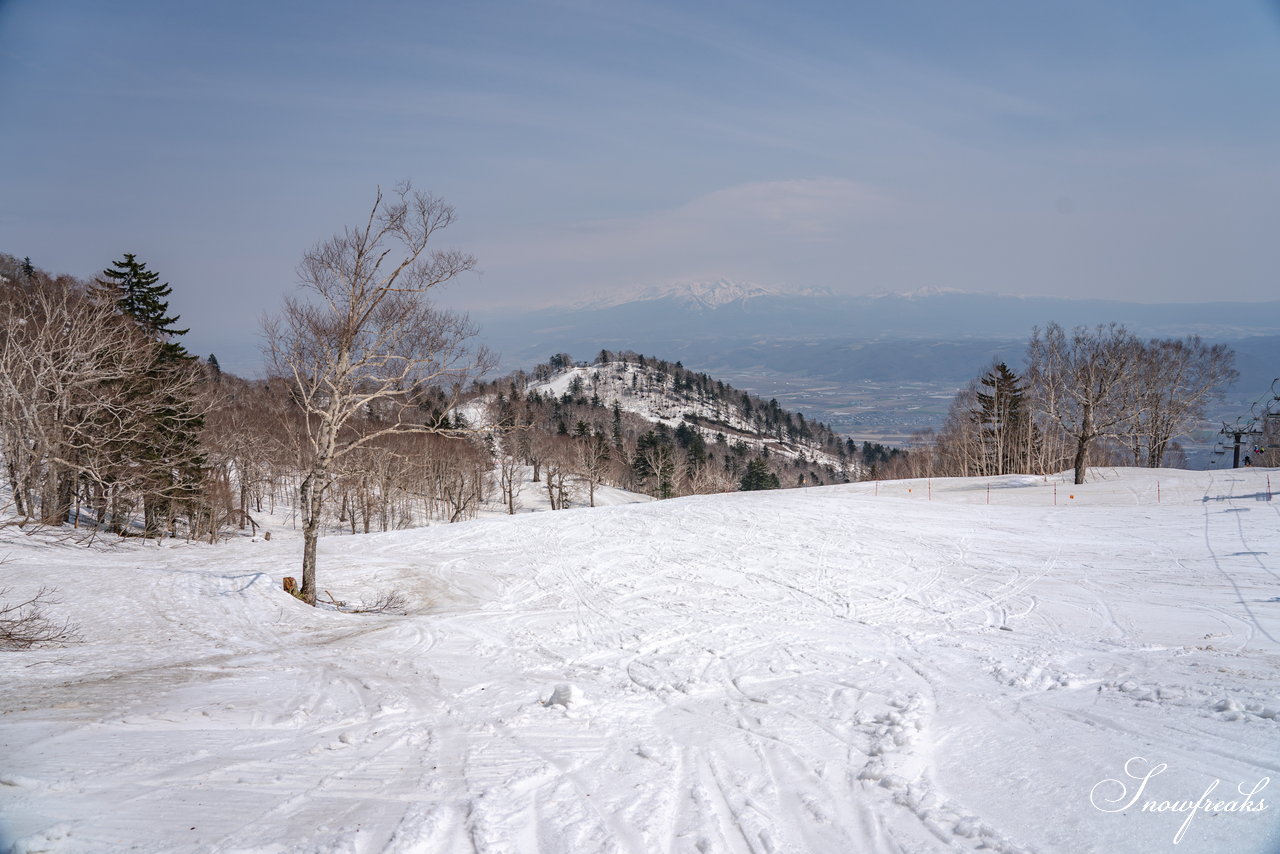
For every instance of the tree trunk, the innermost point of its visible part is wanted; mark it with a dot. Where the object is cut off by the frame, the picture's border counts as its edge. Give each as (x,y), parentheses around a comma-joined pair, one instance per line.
(58,509)
(150,516)
(310,499)
(19,504)
(1082,457)
(1082,442)
(1159,445)
(98,501)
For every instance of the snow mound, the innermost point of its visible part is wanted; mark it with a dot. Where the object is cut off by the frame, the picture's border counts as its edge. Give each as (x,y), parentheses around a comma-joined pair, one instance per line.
(566,696)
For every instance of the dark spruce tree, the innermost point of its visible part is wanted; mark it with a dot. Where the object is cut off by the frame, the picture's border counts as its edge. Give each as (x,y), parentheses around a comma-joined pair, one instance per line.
(166,460)
(758,476)
(1003,421)
(137,293)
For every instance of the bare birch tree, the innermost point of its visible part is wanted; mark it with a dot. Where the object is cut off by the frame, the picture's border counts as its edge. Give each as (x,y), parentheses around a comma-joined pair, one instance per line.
(367,340)
(509,474)
(556,455)
(1082,382)
(593,458)
(1178,379)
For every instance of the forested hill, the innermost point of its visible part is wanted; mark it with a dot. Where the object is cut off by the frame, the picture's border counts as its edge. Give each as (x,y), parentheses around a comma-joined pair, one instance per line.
(663,429)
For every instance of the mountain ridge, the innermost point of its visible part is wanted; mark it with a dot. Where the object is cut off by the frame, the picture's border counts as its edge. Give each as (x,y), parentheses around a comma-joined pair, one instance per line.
(701,294)
(697,321)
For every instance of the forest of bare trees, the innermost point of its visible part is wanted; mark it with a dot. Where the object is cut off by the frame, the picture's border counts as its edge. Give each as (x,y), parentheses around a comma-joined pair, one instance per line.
(1089,396)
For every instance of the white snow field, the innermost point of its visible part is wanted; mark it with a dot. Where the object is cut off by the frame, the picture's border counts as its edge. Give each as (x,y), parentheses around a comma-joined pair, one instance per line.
(854,668)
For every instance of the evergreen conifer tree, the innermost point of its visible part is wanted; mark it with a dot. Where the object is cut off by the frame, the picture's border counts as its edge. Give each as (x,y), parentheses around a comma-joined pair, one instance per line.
(758,476)
(617,425)
(1003,421)
(167,460)
(137,292)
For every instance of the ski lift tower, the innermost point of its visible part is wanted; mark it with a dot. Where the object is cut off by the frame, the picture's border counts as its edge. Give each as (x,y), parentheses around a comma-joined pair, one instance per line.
(1261,427)
(1271,437)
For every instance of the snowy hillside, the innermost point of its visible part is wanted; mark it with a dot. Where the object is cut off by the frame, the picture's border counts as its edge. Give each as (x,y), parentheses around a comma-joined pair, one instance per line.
(943,666)
(650,393)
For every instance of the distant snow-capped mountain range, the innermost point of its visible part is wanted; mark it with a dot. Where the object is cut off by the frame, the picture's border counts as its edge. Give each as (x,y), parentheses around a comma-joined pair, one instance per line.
(710,295)
(929,334)
(690,320)
(763,338)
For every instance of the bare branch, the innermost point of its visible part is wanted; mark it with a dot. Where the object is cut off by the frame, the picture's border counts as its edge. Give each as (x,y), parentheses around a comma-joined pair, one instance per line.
(27,623)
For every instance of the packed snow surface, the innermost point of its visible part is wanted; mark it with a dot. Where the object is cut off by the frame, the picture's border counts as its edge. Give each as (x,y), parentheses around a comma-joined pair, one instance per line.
(958,665)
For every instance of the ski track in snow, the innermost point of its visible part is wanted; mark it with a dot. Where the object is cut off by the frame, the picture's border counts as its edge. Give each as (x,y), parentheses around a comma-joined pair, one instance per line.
(825,670)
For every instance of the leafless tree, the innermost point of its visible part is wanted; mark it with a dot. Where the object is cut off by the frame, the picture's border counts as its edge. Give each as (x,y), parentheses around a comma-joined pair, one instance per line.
(510,481)
(367,340)
(957,449)
(1081,382)
(250,432)
(460,480)
(1177,379)
(532,447)
(659,461)
(593,459)
(557,456)
(706,479)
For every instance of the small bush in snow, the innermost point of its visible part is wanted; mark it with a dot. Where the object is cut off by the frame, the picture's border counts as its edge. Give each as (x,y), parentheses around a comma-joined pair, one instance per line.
(386,602)
(27,623)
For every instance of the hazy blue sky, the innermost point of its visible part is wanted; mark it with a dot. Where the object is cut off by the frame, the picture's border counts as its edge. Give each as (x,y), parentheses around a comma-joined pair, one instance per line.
(1113,149)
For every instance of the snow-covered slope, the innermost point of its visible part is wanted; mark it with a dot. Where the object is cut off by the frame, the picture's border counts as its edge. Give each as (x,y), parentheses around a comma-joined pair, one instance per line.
(647,392)
(894,667)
